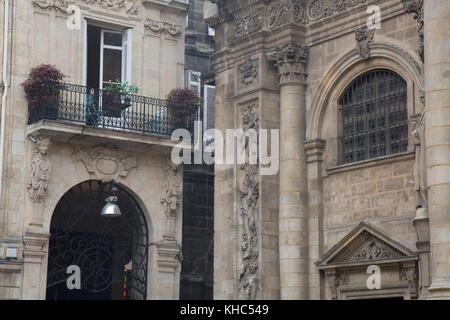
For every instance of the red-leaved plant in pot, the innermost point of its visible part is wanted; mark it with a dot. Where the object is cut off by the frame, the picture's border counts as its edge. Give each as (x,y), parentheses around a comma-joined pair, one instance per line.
(42,90)
(183,104)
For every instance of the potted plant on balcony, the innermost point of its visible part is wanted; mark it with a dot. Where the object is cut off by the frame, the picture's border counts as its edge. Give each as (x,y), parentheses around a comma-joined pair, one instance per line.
(116,98)
(183,105)
(42,92)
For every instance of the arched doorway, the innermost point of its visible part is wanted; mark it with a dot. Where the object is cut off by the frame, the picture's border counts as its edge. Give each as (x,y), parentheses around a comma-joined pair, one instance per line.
(111,253)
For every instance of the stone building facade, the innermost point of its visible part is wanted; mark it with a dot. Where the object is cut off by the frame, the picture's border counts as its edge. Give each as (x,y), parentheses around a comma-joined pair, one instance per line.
(364,180)
(60,166)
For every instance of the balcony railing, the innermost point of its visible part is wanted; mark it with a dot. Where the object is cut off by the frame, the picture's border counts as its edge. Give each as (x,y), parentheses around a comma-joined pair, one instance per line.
(98,108)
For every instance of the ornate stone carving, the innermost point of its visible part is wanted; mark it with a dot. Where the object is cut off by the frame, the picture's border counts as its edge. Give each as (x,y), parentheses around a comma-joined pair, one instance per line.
(160,26)
(287,11)
(40,169)
(130,6)
(416,7)
(249,71)
(319,9)
(335,281)
(420,180)
(249,207)
(249,22)
(290,60)
(106,162)
(373,251)
(409,274)
(170,199)
(60,5)
(364,37)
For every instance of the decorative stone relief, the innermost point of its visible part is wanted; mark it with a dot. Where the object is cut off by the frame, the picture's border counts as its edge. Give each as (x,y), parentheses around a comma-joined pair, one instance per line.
(130,6)
(160,26)
(249,207)
(107,162)
(287,11)
(249,71)
(171,197)
(373,251)
(290,60)
(416,7)
(420,180)
(409,273)
(319,9)
(335,281)
(249,22)
(364,37)
(60,5)
(40,169)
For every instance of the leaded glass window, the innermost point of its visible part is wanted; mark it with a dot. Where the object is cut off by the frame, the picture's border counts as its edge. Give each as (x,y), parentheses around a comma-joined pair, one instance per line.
(374,116)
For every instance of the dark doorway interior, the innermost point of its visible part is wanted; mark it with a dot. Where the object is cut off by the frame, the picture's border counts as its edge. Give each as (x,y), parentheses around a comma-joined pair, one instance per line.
(198,233)
(111,253)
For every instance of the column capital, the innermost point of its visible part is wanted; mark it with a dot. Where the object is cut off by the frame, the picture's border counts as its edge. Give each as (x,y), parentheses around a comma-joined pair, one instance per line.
(290,60)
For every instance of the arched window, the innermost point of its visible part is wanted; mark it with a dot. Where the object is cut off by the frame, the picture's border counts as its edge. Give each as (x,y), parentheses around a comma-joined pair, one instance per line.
(374,116)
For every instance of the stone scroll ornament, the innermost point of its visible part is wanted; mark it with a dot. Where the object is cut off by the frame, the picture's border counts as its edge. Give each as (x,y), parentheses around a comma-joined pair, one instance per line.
(364,37)
(249,205)
(131,6)
(160,27)
(40,169)
(171,197)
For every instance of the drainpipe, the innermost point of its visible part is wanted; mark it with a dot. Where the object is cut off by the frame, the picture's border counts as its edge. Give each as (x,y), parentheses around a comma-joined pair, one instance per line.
(5,91)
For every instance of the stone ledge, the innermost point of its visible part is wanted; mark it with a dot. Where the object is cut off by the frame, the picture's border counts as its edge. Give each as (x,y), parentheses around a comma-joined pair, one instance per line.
(370,163)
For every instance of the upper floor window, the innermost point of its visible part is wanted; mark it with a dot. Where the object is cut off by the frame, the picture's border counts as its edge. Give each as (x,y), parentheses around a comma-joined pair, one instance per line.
(374,116)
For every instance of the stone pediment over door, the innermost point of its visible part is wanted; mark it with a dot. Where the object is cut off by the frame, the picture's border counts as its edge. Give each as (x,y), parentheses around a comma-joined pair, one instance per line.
(345,264)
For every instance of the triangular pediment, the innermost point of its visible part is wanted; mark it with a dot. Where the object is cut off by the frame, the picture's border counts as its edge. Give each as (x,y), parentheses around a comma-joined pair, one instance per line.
(366,244)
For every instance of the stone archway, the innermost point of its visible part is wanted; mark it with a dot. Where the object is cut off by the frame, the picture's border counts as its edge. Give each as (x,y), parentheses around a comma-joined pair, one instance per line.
(111,254)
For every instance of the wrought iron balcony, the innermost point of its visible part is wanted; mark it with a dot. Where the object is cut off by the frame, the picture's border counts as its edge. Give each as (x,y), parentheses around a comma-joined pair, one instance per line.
(98,108)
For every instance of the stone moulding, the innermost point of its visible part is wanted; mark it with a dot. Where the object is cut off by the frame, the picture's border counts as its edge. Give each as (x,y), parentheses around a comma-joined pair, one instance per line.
(249,210)
(107,163)
(160,27)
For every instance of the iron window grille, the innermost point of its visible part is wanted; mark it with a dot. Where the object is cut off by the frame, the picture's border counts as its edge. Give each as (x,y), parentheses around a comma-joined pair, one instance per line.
(374,117)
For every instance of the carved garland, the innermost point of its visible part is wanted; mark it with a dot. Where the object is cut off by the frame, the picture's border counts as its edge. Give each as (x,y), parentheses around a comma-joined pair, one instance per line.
(249,202)
(160,26)
(60,5)
(131,6)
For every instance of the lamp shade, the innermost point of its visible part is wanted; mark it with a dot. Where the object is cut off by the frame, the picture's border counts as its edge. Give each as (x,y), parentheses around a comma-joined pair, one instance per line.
(111,209)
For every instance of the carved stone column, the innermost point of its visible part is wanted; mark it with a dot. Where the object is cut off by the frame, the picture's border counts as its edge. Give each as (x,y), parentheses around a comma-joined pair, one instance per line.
(290,61)
(437,132)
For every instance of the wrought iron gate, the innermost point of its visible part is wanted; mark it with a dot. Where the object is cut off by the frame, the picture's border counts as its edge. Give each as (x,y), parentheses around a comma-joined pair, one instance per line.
(111,253)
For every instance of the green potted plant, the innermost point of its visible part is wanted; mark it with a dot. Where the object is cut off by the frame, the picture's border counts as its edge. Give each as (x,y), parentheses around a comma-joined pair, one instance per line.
(42,92)
(182,104)
(116,98)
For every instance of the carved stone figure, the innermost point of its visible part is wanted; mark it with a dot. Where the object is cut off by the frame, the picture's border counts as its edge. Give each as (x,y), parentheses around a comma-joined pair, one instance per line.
(107,163)
(39,170)
(420,181)
(364,37)
(249,202)
(172,191)
(416,7)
